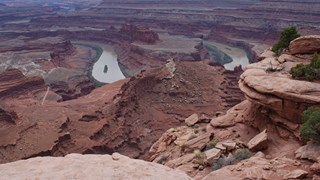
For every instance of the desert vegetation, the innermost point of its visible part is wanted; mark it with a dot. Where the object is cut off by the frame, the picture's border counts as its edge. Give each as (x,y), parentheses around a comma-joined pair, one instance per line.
(237,156)
(310,129)
(287,35)
(309,72)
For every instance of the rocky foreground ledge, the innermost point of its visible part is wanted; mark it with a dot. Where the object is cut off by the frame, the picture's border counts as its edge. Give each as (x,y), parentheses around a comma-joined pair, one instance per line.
(77,166)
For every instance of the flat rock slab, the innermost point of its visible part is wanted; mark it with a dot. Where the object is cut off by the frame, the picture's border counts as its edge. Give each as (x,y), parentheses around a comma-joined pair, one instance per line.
(192,120)
(259,142)
(76,166)
(309,151)
(296,174)
(212,154)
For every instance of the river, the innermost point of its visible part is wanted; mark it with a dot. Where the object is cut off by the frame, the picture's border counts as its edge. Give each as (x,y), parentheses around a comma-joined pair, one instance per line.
(113,73)
(239,56)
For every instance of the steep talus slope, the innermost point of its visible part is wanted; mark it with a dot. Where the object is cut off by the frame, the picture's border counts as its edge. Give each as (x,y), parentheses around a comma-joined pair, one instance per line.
(76,166)
(268,120)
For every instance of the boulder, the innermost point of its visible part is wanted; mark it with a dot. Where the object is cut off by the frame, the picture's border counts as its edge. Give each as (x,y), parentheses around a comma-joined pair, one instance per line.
(310,151)
(260,154)
(197,143)
(221,147)
(259,142)
(204,118)
(77,166)
(212,154)
(316,167)
(192,120)
(305,45)
(266,54)
(296,174)
(180,161)
(230,145)
(223,121)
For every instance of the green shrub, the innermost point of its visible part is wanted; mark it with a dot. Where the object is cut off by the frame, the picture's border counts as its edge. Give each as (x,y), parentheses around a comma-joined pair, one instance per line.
(310,129)
(287,35)
(308,72)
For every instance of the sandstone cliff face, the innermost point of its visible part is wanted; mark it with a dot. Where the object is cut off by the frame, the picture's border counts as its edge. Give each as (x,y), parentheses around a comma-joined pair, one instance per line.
(76,166)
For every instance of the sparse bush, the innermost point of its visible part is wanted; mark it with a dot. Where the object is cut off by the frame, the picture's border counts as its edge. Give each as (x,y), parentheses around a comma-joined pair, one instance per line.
(223,161)
(162,160)
(308,72)
(198,154)
(242,154)
(200,158)
(287,35)
(310,129)
(237,156)
(204,129)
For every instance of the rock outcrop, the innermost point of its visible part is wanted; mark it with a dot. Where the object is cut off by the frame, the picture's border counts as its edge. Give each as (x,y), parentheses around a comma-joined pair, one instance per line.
(286,98)
(13,83)
(140,33)
(305,45)
(76,166)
